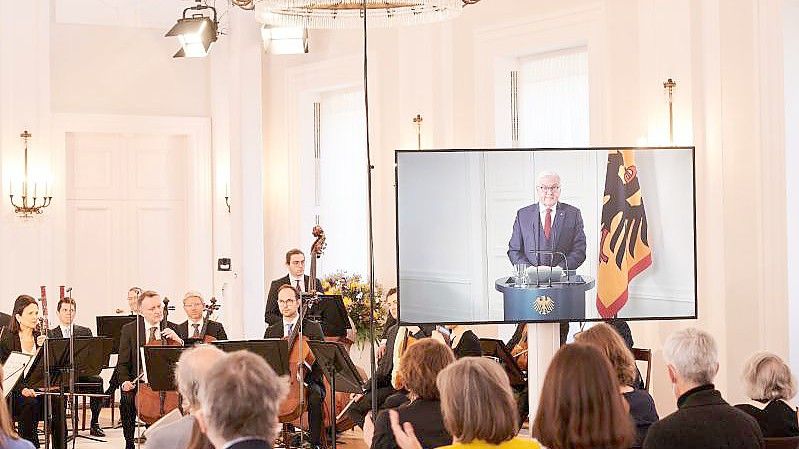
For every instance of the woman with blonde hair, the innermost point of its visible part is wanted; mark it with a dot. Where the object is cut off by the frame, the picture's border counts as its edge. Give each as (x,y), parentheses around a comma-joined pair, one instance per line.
(8,437)
(770,385)
(641,404)
(477,405)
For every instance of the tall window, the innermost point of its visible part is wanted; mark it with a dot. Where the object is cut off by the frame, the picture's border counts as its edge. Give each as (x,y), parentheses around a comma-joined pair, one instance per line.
(341,180)
(553,99)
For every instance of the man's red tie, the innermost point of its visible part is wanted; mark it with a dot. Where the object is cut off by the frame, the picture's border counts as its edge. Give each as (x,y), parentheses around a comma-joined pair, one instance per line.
(548,223)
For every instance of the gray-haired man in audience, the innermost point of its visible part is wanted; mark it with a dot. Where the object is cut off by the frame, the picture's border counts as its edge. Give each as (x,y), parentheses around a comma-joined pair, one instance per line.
(240,400)
(703,419)
(192,365)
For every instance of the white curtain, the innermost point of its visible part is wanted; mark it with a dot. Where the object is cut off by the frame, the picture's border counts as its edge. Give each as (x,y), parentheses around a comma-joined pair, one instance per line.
(342,181)
(553,99)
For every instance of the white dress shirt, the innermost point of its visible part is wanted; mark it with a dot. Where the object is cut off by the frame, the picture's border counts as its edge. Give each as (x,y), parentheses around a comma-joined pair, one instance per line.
(64,330)
(293,281)
(542,210)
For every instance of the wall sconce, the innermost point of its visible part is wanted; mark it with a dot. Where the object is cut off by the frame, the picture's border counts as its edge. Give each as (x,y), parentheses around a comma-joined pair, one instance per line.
(27,208)
(227,197)
(669,85)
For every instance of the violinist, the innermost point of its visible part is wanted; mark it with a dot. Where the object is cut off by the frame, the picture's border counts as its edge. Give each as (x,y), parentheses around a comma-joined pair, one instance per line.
(288,300)
(89,384)
(194,305)
(23,336)
(149,330)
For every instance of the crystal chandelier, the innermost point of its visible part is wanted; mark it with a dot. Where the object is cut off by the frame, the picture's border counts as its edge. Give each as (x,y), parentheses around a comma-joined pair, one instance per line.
(30,205)
(336,14)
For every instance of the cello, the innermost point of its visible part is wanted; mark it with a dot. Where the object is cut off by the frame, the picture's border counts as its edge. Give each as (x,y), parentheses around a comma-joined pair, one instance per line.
(153,405)
(293,406)
(209,309)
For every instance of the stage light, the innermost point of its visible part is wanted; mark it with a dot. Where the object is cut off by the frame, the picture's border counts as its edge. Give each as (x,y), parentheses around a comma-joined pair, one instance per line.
(195,33)
(285,40)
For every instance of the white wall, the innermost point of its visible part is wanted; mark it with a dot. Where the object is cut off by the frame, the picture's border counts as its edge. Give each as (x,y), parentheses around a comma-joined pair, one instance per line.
(791,52)
(726,56)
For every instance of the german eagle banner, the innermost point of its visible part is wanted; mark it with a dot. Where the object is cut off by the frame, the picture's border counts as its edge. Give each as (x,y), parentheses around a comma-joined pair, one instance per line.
(624,250)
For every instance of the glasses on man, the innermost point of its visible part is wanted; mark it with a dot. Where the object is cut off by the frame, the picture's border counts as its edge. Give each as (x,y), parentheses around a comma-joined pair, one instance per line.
(286,302)
(549,188)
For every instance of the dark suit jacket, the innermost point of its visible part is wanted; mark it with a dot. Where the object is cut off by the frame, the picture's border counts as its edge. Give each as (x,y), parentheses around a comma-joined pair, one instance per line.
(704,420)
(213,329)
(427,424)
(128,348)
(5,319)
(79,331)
(567,237)
(310,329)
(777,419)
(272,312)
(252,444)
(10,343)
(468,346)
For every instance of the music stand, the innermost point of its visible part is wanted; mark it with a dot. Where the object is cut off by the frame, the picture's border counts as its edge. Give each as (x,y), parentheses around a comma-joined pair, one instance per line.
(274,350)
(497,349)
(111,326)
(340,372)
(159,364)
(332,315)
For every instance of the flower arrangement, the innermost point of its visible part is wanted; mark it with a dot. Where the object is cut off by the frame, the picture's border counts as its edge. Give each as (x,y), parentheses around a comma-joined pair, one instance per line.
(355,293)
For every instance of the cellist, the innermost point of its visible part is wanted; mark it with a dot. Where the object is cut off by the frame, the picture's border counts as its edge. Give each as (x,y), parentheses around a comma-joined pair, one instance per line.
(149,322)
(194,305)
(288,301)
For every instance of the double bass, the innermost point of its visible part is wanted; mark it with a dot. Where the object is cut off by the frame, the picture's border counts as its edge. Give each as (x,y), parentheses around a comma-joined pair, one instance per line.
(153,405)
(293,407)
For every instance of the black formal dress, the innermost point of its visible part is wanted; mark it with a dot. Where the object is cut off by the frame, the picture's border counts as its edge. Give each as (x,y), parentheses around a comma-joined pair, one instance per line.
(89,384)
(314,379)
(384,389)
(643,413)
(28,411)
(424,415)
(777,419)
(128,371)
(213,329)
(272,312)
(704,420)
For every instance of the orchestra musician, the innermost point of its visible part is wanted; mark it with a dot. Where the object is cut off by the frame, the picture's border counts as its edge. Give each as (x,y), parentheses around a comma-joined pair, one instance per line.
(89,384)
(151,313)
(23,336)
(194,305)
(288,300)
(464,342)
(133,307)
(296,277)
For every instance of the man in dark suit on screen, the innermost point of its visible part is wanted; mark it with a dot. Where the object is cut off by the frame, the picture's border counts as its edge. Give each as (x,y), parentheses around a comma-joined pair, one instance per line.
(548,225)
(295,263)
(89,384)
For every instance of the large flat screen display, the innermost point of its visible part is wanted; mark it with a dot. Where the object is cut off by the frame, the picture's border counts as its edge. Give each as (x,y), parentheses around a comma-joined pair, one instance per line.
(544,235)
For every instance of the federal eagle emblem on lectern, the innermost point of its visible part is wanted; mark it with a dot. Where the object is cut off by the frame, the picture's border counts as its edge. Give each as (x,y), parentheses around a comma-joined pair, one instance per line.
(543,304)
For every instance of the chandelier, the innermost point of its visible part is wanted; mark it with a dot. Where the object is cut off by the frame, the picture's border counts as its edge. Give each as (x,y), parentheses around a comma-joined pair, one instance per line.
(337,14)
(30,205)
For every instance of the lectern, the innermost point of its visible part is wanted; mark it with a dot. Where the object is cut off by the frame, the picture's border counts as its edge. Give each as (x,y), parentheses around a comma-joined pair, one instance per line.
(562,300)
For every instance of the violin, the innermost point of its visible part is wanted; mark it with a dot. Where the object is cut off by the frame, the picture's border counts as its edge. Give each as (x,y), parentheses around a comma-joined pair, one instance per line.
(209,310)
(152,405)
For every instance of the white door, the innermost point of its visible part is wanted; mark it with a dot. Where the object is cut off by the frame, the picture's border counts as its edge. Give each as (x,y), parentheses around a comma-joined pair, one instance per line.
(126,219)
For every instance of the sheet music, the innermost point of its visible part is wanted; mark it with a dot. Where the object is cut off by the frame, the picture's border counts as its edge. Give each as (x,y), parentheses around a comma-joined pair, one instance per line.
(30,361)
(13,369)
(143,365)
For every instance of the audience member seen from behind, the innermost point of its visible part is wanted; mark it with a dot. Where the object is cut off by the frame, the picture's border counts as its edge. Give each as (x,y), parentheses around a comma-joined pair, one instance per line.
(192,365)
(580,404)
(8,436)
(703,420)
(642,406)
(239,400)
(477,405)
(418,370)
(770,385)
